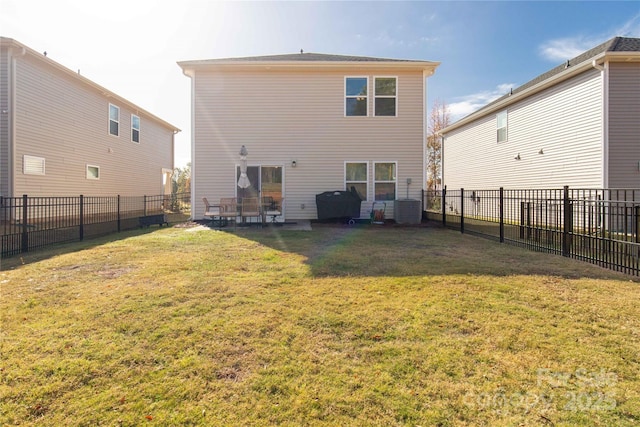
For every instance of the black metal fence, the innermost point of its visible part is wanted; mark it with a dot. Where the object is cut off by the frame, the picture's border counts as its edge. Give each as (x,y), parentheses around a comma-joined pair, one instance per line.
(600,226)
(30,223)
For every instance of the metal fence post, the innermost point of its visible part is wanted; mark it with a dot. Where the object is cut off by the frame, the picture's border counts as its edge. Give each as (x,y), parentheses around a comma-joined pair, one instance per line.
(25,217)
(462,210)
(501,215)
(118,204)
(81,217)
(444,206)
(567,226)
(145,205)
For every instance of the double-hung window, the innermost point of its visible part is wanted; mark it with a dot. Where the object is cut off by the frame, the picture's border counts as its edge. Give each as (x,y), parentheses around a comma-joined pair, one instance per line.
(386,99)
(355,103)
(135,128)
(501,126)
(384,182)
(114,120)
(356,175)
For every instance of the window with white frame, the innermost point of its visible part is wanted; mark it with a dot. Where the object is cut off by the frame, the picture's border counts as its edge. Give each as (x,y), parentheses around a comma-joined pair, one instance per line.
(501,125)
(32,165)
(114,120)
(385,96)
(384,180)
(355,103)
(356,175)
(93,172)
(135,128)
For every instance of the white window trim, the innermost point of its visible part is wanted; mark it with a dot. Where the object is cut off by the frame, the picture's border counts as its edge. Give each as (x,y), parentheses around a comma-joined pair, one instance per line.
(344,94)
(117,121)
(395,181)
(366,162)
(28,160)
(133,128)
(384,96)
(90,176)
(506,127)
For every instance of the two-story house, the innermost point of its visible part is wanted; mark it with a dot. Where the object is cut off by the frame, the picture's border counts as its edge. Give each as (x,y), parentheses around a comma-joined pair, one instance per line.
(577,125)
(61,134)
(310,123)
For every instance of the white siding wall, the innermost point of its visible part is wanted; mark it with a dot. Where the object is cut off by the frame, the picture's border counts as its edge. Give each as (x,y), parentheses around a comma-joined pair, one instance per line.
(4,121)
(624,125)
(67,122)
(282,115)
(565,121)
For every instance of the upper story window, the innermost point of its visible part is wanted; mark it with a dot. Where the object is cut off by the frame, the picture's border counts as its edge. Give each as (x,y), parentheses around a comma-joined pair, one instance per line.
(135,128)
(384,180)
(114,120)
(355,103)
(386,100)
(501,125)
(356,175)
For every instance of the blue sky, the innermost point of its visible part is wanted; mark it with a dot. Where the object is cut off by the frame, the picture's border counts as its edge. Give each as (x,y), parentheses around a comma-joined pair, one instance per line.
(131,46)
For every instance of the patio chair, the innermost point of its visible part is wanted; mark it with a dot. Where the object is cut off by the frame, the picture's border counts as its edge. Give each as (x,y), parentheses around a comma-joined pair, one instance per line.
(251,208)
(272,208)
(211,212)
(229,209)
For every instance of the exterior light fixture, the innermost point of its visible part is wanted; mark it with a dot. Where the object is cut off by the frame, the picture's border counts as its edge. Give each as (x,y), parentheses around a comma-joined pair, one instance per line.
(518,157)
(294,163)
(541,151)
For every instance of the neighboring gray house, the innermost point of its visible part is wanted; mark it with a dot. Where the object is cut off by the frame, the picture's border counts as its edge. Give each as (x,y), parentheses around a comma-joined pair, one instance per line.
(311,123)
(62,134)
(576,125)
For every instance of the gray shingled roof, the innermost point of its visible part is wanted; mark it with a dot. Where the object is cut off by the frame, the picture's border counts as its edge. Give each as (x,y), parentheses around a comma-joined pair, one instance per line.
(310,57)
(616,44)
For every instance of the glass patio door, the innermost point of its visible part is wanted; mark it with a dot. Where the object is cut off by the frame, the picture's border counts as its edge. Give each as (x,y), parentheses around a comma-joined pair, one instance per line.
(253,173)
(271,183)
(266,181)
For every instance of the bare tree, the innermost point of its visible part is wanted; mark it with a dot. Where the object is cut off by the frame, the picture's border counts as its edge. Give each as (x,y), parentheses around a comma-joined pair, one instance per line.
(182,179)
(438,120)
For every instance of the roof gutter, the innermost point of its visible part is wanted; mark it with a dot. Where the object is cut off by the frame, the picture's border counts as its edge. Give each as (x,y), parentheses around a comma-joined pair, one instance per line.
(566,74)
(190,66)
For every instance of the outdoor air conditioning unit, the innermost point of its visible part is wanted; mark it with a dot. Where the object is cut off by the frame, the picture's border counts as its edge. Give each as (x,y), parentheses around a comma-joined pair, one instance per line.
(407,211)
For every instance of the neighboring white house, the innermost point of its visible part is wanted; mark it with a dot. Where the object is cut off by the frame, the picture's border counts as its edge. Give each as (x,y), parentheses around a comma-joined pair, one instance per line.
(576,125)
(311,123)
(62,134)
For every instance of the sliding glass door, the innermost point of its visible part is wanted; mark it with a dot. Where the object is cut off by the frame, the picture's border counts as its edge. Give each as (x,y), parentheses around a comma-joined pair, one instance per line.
(266,181)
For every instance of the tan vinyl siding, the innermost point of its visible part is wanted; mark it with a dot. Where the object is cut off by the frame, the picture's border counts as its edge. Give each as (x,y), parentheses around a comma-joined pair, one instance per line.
(564,121)
(282,115)
(66,122)
(624,125)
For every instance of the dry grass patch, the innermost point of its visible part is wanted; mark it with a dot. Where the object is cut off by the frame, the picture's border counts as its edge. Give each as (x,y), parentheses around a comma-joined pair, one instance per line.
(339,326)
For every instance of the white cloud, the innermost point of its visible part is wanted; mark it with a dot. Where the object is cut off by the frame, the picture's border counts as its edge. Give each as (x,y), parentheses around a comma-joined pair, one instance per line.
(631,28)
(562,49)
(466,105)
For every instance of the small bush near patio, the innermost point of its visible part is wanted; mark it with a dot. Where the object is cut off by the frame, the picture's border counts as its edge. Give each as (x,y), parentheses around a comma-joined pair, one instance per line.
(339,326)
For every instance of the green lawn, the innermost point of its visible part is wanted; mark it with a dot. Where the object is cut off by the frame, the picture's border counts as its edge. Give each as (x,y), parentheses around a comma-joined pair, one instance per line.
(363,326)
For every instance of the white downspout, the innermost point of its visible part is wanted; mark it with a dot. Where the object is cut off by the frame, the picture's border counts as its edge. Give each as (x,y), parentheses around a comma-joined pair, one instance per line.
(12,118)
(425,103)
(192,75)
(604,73)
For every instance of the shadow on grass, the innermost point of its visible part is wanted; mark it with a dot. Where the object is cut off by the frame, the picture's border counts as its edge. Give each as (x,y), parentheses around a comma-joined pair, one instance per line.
(54,250)
(370,250)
